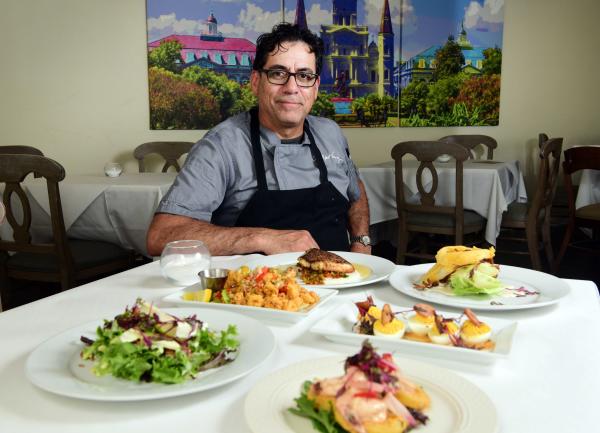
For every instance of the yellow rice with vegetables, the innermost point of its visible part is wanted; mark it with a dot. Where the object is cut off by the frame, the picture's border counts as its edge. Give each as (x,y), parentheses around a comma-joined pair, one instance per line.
(269,288)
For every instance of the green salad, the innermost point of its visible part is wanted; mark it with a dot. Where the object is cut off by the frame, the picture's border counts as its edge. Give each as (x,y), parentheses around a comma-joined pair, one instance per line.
(476,279)
(148,345)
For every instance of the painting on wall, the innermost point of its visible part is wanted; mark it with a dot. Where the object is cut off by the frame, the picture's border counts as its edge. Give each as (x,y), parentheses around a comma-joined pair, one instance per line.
(200,55)
(451,62)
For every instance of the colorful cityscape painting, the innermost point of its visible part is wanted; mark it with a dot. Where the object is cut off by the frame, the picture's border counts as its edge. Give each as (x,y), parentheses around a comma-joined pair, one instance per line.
(387,63)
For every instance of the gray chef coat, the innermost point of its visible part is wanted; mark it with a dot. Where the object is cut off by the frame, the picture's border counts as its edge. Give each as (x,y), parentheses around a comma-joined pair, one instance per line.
(218,179)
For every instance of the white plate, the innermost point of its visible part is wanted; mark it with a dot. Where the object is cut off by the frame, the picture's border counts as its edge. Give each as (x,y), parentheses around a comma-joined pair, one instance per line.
(551,289)
(457,406)
(380,268)
(260,313)
(338,327)
(53,365)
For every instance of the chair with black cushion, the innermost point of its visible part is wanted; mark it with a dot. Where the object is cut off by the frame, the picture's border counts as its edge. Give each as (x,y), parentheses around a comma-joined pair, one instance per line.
(171,151)
(576,159)
(534,218)
(60,260)
(471,141)
(426,216)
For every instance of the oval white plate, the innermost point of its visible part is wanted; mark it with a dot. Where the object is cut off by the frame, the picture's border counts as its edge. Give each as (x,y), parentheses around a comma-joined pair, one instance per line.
(457,406)
(50,365)
(380,268)
(551,289)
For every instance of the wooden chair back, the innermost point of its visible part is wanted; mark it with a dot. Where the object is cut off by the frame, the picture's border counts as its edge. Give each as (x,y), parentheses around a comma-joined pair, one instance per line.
(13,170)
(576,159)
(471,141)
(20,150)
(547,179)
(426,153)
(171,151)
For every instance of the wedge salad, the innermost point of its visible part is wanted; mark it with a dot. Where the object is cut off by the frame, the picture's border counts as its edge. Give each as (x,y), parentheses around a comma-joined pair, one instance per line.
(145,344)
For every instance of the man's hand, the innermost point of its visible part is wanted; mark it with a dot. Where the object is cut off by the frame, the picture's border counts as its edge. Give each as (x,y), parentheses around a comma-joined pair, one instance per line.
(282,241)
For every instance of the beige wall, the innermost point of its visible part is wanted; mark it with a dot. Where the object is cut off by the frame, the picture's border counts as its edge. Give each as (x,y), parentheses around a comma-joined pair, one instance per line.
(73,82)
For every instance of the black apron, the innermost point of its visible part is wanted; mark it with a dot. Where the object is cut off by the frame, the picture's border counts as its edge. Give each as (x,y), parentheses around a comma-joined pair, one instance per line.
(322,210)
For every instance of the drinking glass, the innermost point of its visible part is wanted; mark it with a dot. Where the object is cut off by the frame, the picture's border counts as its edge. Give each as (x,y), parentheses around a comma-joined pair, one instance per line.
(181,261)
(113,169)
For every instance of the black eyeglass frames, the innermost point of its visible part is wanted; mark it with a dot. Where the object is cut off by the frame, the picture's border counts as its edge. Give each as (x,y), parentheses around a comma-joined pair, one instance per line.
(280,77)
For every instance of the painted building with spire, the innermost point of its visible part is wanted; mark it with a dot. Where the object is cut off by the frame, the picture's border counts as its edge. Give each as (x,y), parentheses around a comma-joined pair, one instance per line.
(353,65)
(211,50)
(420,67)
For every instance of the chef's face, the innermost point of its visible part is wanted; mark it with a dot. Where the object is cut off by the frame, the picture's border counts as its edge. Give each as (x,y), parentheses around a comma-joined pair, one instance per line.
(283,108)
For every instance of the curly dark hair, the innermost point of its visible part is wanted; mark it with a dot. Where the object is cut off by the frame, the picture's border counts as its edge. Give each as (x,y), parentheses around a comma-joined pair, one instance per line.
(286,32)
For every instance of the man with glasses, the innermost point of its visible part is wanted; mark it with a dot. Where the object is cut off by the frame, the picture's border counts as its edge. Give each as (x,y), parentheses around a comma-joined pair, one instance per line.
(274,179)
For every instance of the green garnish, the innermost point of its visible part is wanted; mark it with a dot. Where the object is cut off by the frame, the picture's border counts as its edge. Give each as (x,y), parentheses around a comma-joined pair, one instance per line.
(322,420)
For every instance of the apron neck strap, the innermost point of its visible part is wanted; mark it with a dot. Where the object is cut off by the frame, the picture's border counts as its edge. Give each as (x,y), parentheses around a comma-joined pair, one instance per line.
(257,151)
(259,165)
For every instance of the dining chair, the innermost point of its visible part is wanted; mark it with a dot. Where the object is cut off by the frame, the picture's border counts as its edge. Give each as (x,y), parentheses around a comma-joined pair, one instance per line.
(425,216)
(534,218)
(576,159)
(171,151)
(471,141)
(61,260)
(20,150)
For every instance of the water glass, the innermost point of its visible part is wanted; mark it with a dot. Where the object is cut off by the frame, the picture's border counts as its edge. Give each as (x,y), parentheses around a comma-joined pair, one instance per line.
(181,261)
(113,169)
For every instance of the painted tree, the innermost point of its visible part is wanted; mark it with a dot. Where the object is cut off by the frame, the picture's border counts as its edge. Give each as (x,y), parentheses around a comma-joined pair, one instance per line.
(245,102)
(492,62)
(448,60)
(482,93)
(414,99)
(178,104)
(323,105)
(166,56)
(225,91)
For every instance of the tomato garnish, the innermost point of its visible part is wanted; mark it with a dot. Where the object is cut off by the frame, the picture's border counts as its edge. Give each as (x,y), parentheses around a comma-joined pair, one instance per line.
(367,394)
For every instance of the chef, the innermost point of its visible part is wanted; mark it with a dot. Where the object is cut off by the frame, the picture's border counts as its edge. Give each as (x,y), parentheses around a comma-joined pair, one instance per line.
(273,179)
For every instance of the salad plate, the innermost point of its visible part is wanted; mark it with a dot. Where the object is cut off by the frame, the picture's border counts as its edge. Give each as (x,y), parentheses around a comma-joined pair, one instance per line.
(55,365)
(457,406)
(337,327)
(540,289)
(259,313)
(371,268)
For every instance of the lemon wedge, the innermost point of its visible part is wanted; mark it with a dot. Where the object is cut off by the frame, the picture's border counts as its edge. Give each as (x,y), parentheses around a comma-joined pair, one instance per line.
(207,295)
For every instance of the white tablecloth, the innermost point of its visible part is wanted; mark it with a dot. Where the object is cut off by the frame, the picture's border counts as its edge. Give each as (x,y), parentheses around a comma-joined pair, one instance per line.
(488,189)
(589,188)
(548,384)
(114,209)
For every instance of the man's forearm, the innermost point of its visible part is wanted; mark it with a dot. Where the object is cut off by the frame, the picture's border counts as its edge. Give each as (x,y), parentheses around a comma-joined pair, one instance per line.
(358,219)
(222,241)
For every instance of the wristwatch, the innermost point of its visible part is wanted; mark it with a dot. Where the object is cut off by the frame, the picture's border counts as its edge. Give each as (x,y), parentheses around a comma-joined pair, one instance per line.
(362,239)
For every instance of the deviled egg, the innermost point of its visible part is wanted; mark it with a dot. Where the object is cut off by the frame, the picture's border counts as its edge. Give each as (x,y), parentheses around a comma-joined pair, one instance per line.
(388,325)
(444,332)
(423,320)
(474,332)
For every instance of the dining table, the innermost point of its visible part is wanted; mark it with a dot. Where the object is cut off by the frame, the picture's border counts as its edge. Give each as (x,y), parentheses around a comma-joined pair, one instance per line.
(548,382)
(96,207)
(489,186)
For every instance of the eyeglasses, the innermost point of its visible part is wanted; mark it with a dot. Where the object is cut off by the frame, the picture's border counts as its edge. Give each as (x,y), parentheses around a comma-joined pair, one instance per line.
(280,77)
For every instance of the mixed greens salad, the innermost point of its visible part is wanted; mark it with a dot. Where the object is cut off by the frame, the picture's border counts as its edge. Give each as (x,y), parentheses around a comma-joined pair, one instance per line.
(148,345)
